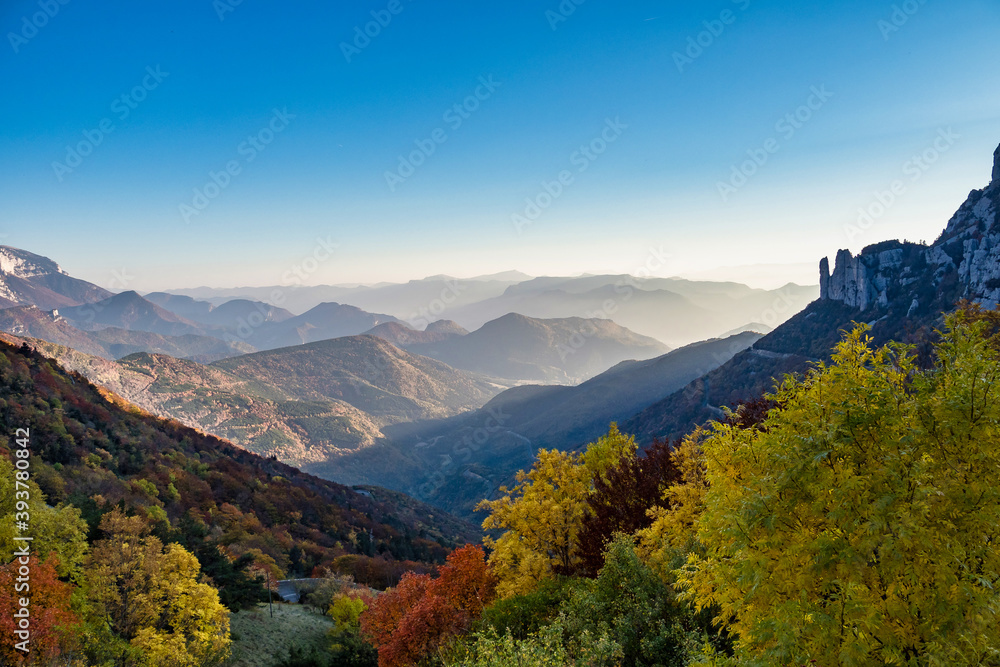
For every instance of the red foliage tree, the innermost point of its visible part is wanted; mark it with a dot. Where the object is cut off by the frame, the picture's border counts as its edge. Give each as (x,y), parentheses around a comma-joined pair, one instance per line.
(418,616)
(752,414)
(620,501)
(52,622)
(381,619)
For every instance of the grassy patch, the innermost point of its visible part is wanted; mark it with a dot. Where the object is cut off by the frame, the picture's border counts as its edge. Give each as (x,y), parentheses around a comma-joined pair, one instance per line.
(260,641)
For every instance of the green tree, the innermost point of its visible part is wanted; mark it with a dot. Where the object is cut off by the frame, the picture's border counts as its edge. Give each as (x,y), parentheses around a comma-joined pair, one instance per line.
(58,529)
(859,525)
(636,610)
(526,614)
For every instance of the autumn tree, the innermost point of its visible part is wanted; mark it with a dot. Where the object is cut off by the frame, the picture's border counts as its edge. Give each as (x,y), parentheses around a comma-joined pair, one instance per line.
(151,597)
(671,535)
(542,516)
(382,618)
(859,525)
(53,624)
(621,500)
(346,609)
(414,620)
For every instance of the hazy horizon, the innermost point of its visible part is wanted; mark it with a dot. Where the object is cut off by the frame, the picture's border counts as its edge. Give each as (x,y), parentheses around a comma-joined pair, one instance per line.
(766,278)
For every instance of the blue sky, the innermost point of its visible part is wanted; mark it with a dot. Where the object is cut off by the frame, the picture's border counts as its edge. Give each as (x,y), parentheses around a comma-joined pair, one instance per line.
(666,120)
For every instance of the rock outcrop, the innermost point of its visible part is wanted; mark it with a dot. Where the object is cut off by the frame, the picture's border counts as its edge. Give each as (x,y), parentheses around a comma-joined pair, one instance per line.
(964,262)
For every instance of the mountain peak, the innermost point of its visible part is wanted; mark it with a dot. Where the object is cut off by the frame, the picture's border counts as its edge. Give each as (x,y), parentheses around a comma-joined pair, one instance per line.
(445,327)
(24,264)
(129,296)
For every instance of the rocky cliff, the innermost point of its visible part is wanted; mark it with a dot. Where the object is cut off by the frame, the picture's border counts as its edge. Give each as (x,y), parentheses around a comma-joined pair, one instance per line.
(900,289)
(964,262)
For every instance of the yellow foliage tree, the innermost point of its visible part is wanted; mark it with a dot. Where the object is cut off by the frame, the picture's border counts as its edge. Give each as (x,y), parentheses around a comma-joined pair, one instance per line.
(152,599)
(542,515)
(861,526)
(672,533)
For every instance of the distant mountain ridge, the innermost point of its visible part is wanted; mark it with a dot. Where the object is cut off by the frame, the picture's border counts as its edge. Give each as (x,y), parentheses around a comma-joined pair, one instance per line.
(559,351)
(127,310)
(403,335)
(231,314)
(325,321)
(672,310)
(675,311)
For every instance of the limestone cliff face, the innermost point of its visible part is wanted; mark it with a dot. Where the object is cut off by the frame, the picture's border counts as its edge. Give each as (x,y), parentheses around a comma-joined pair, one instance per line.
(964,262)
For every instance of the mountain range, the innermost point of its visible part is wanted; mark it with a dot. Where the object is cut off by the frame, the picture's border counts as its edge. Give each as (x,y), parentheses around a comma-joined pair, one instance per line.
(515,347)
(674,311)
(448,411)
(467,457)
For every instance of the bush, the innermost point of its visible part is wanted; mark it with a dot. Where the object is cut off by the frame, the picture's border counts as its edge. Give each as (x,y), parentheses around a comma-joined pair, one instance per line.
(523,615)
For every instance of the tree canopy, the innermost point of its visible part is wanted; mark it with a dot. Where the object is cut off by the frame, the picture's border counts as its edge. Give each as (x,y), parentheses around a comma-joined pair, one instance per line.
(858,524)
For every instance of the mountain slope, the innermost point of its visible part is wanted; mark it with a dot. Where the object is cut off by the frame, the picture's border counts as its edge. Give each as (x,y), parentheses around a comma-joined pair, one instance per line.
(463,459)
(370,374)
(27,279)
(258,417)
(562,351)
(899,288)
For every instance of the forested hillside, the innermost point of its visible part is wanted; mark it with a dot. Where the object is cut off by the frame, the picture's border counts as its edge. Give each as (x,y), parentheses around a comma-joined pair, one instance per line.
(100,469)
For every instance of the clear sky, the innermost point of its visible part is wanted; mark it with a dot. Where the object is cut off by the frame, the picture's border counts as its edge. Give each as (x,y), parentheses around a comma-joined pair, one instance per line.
(310,115)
